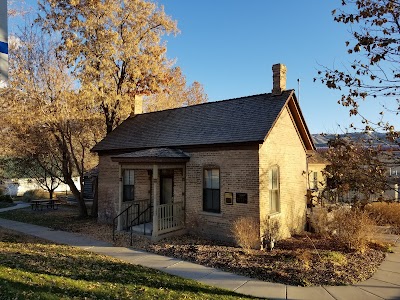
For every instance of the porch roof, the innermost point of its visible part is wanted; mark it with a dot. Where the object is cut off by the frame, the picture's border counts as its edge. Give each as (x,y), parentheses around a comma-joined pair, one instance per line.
(153,155)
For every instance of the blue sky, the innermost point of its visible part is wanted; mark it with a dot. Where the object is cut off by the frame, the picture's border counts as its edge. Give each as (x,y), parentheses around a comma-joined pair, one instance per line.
(230,46)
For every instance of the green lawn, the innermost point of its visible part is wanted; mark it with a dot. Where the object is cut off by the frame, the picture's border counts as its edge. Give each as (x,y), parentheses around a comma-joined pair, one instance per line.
(34,269)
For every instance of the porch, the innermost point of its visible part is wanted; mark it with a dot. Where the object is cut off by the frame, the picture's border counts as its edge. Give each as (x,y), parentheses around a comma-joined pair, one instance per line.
(151,192)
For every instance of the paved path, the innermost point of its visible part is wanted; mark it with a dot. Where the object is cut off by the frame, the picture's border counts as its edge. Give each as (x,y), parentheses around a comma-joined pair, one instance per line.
(385,284)
(20,204)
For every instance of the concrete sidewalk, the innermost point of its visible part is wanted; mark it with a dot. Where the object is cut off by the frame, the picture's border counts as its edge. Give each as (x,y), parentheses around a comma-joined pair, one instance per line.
(19,205)
(385,284)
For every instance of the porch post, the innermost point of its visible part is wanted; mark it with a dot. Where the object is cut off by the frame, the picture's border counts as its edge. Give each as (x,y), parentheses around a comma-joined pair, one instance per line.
(120,191)
(155,201)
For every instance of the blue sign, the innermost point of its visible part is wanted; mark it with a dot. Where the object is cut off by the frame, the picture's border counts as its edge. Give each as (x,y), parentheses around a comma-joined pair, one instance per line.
(3,48)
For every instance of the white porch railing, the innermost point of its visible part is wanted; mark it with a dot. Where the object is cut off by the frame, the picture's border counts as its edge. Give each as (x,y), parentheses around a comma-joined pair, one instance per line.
(170,217)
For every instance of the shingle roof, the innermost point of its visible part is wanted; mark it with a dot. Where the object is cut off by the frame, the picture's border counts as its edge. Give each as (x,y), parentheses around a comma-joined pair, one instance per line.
(239,120)
(155,152)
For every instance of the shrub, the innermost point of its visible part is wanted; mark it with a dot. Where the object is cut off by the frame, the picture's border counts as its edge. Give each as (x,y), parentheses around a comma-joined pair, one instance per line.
(385,213)
(353,228)
(6,198)
(34,194)
(247,233)
(272,228)
(319,221)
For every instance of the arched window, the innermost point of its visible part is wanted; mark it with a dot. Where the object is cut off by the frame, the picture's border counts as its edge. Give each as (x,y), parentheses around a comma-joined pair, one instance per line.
(273,186)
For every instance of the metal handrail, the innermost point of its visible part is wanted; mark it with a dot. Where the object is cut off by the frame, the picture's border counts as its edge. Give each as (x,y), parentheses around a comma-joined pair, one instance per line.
(127,216)
(144,222)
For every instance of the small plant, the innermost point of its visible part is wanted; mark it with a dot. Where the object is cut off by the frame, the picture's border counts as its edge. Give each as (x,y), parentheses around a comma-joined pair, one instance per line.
(247,233)
(319,221)
(271,232)
(334,257)
(305,259)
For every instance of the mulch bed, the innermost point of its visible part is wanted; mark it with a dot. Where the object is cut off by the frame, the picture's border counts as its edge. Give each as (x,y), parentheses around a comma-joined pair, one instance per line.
(294,261)
(304,260)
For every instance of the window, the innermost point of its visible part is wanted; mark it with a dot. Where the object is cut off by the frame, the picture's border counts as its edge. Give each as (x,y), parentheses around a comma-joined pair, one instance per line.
(274,189)
(314,181)
(128,190)
(211,192)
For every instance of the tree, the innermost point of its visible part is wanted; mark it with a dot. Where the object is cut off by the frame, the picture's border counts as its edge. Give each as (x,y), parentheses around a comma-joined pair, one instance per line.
(34,168)
(354,167)
(114,47)
(176,93)
(44,116)
(375,70)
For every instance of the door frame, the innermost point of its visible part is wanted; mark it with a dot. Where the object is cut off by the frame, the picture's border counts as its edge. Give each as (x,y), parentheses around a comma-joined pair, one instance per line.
(168,173)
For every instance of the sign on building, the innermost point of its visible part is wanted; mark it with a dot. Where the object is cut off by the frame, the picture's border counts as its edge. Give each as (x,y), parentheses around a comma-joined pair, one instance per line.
(3,42)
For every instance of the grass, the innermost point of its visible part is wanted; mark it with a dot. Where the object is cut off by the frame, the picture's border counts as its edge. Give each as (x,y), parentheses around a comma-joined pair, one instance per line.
(63,219)
(5,204)
(31,268)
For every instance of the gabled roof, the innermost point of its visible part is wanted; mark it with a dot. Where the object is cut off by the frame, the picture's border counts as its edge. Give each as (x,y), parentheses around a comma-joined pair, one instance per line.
(240,120)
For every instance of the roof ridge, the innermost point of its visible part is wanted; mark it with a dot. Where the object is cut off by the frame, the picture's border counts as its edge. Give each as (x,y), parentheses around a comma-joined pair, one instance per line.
(212,102)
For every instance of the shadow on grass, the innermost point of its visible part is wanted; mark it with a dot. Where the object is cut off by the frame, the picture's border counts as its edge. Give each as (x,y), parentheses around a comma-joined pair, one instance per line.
(62,263)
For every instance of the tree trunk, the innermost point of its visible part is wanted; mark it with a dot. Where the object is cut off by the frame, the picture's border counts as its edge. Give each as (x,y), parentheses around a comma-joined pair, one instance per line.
(79,197)
(51,194)
(95,205)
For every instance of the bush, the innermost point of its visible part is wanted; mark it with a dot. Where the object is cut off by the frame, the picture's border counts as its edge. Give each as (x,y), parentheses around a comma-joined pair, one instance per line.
(353,228)
(319,221)
(34,194)
(247,233)
(6,199)
(385,213)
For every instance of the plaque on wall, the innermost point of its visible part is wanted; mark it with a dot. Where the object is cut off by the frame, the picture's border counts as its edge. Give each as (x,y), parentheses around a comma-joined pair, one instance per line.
(228,198)
(241,197)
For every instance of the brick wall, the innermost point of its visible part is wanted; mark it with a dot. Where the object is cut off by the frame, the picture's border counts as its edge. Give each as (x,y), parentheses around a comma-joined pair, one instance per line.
(238,174)
(108,188)
(283,148)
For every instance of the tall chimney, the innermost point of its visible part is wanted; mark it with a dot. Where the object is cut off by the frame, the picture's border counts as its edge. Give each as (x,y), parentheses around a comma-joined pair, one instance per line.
(279,79)
(137,108)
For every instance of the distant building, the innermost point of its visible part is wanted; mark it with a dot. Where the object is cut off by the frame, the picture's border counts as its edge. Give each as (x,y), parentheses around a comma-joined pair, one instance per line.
(3,43)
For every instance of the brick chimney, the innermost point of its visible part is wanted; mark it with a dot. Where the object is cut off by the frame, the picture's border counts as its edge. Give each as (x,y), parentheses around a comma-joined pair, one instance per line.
(279,79)
(137,108)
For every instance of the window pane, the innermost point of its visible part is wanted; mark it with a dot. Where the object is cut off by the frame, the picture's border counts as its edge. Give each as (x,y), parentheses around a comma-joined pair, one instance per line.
(215,179)
(207,199)
(128,193)
(274,189)
(128,177)
(274,201)
(216,203)
(274,178)
(207,179)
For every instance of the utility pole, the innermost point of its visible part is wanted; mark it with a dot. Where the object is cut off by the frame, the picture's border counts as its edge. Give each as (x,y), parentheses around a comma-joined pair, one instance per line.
(3,43)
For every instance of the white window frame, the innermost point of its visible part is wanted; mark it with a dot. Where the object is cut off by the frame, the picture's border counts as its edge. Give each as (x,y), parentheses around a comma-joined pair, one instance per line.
(274,190)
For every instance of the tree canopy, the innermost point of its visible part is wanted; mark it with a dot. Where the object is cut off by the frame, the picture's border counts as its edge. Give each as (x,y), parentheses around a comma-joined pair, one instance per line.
(74,74)
(43,116)
(355,167)
(176,93)
(375,50)
(114,48)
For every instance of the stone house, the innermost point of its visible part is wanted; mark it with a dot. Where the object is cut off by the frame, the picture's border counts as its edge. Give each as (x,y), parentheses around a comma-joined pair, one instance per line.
(200,168)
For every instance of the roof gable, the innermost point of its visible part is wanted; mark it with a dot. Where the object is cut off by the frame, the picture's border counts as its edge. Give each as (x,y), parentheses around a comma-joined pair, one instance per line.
(240,120)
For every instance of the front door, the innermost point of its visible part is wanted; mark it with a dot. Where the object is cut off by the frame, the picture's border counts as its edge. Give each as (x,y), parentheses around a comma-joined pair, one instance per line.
(166,186)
